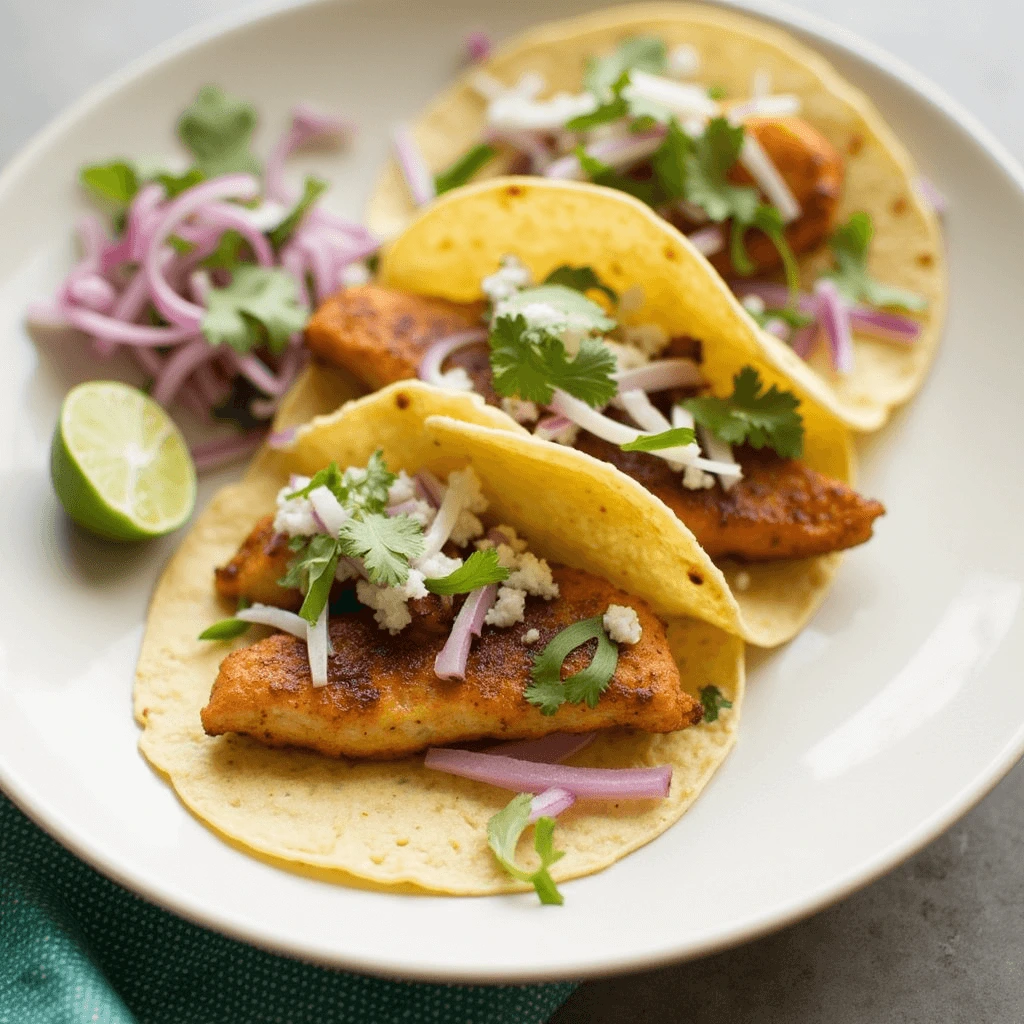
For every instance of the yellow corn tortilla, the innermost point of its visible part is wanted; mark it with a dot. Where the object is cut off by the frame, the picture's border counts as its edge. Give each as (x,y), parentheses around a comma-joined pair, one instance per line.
(398,824)
(881,178)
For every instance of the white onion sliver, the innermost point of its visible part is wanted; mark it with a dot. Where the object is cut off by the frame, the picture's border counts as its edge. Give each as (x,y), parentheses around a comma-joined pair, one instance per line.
(454,501)
(717,451)
(681,98)
(316,647)
(433,359)
(644,414)
(661,375)
(769,180)
(329,509)
(707,241)
(278,618)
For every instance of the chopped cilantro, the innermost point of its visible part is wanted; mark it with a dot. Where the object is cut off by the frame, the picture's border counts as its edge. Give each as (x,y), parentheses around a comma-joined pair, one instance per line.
(329,477)
(175,184)
(530,363)
(464,168)
(637,53)
(769,220)
(228,253)
(714,154)
(748,415)
(357,489)
(581,279)
(312,571)
(549,692)
(849,245)
(713,701)
(312,189)
(613,110)
(601,174)
(670,161)
(115,184)
(226,629)
(217,129)
(385,544)
(479,570)
(677,437)
(259,307)
(503,832)
(716,92)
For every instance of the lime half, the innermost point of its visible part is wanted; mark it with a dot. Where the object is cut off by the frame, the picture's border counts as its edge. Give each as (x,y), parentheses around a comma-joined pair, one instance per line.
(119,464)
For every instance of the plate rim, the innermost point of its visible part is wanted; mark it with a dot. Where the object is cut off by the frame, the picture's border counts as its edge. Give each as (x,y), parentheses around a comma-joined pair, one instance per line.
(19,791)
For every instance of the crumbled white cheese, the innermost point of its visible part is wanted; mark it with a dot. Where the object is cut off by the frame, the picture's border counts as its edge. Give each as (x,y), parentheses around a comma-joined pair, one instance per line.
(695,479)
(355,274)
(347,569)
(512,541)
(753,304)
(455,379)
(531,636)
(508,609)
(533,575)
(390,604)
(683,61)
(742,580)
(466,528)
(515,112)
(295,515)
(403,489)
(520,411)
(622,624)
(435,567)
(651,339)
(510,276)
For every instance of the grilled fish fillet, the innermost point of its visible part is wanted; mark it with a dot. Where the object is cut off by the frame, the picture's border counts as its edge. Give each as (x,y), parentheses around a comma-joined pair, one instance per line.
(257,566)
(383,700)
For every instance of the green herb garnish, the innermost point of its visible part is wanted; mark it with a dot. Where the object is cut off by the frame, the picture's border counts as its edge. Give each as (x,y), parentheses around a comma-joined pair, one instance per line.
(464,168)
(217,129)
(479,570)
(713,700)
(613,110)
(759,418)
(385,544)
(175,184)
(676,437)
(581,279)
(638,53)
(601,173)
(549,692)
(503,832)
(717,92)
(312,189)
(114,184)
(259,307)
(312,571)
(226,629)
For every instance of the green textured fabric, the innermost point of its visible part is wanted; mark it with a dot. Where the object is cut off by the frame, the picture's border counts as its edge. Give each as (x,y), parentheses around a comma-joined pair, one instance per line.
(77,949)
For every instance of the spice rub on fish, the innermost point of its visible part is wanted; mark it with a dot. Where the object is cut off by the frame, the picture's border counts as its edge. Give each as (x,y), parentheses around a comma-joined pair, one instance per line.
(256,567)
(384,701)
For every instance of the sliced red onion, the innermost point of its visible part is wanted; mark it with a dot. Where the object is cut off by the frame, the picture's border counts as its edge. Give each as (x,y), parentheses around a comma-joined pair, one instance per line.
(293,259)
(434,357)
(414,168)
(403,508)
(430,488)
(935,199)
(768,179)
(617,152)
(100,326)
(835,319)
(643,413)
(778,327)
(529,777)
(450,662)
(181,363)
(282,438)
(884,325)
(92,237)
(328,510)
(317,644)
(308,125)
(661,375)
(548,749)
(278,618)
(209,385)
(707,241)
(223,215)
(93,292)
(478,46)
(551,427)
(551,803)
(804,339)
(532,144)
(775,296)
(256,372)
(212,454)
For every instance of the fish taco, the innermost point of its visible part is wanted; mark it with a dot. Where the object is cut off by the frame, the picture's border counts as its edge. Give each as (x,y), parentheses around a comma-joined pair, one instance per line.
(390,584)
(781,173)
(594,324)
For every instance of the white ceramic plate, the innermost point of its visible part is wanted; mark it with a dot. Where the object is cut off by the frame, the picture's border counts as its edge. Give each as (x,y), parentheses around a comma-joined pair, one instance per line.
(896,710)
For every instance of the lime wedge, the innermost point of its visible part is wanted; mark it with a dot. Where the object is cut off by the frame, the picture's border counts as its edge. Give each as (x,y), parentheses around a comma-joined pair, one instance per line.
(119,464)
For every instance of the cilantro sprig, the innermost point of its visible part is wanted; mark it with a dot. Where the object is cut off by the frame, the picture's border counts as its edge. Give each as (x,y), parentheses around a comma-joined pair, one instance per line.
(530,363)
(849,244)
(580,279)
(464,168)
(549,691)
(217,129)
(312,572)
(312,189)
(754,416)
(713,701)
(637,53)
(361,490)
(384,543)
(676,437)
(614,109)
(259,307)
(226,629)
(479,570)
(503,832)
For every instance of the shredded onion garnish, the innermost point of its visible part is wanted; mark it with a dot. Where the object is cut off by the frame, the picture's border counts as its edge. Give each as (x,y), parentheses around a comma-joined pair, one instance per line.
(769,180)
(433,359)
(707,241)
(530,777)
(616,152)
(551,803)
(414,168)
(317,643)
(450,662)
(278,618)
(835,320)
(661,375)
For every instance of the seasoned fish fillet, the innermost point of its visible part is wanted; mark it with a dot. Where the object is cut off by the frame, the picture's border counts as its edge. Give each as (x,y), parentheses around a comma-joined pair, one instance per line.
(380,335)
(779,509)
(383,700)
(257,566)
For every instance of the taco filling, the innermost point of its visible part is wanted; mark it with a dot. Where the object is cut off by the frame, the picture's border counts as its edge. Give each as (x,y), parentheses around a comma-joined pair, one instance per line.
(554,358)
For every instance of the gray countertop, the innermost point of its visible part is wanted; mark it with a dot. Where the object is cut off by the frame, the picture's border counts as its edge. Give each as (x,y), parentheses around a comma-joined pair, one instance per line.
(942,937)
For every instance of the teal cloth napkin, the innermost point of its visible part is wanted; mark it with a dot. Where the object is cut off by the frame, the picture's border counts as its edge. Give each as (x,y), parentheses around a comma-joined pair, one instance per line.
(75,947)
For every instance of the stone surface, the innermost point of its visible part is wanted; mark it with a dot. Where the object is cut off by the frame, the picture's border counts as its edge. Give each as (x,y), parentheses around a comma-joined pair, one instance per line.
(939,939)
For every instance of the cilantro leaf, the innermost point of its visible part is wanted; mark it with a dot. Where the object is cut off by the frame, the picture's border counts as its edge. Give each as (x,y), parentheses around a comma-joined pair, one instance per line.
(259,307)
(531,363)
(787,314)
(217,130)
(329,477)
(713,701)
(464,168)
(581,279)
(384,544)
(677,437)
(637,53)
(312,572)
(747,415)
(479,570)
(175,184)
(115,184)
(312,189)
(503,832)
(716,92)
(849,245)
(228,254)
(714,153)
(613,110)
(549,691)
(226,629)
(358,490)
(769,220)
(601,174)
(670,161)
